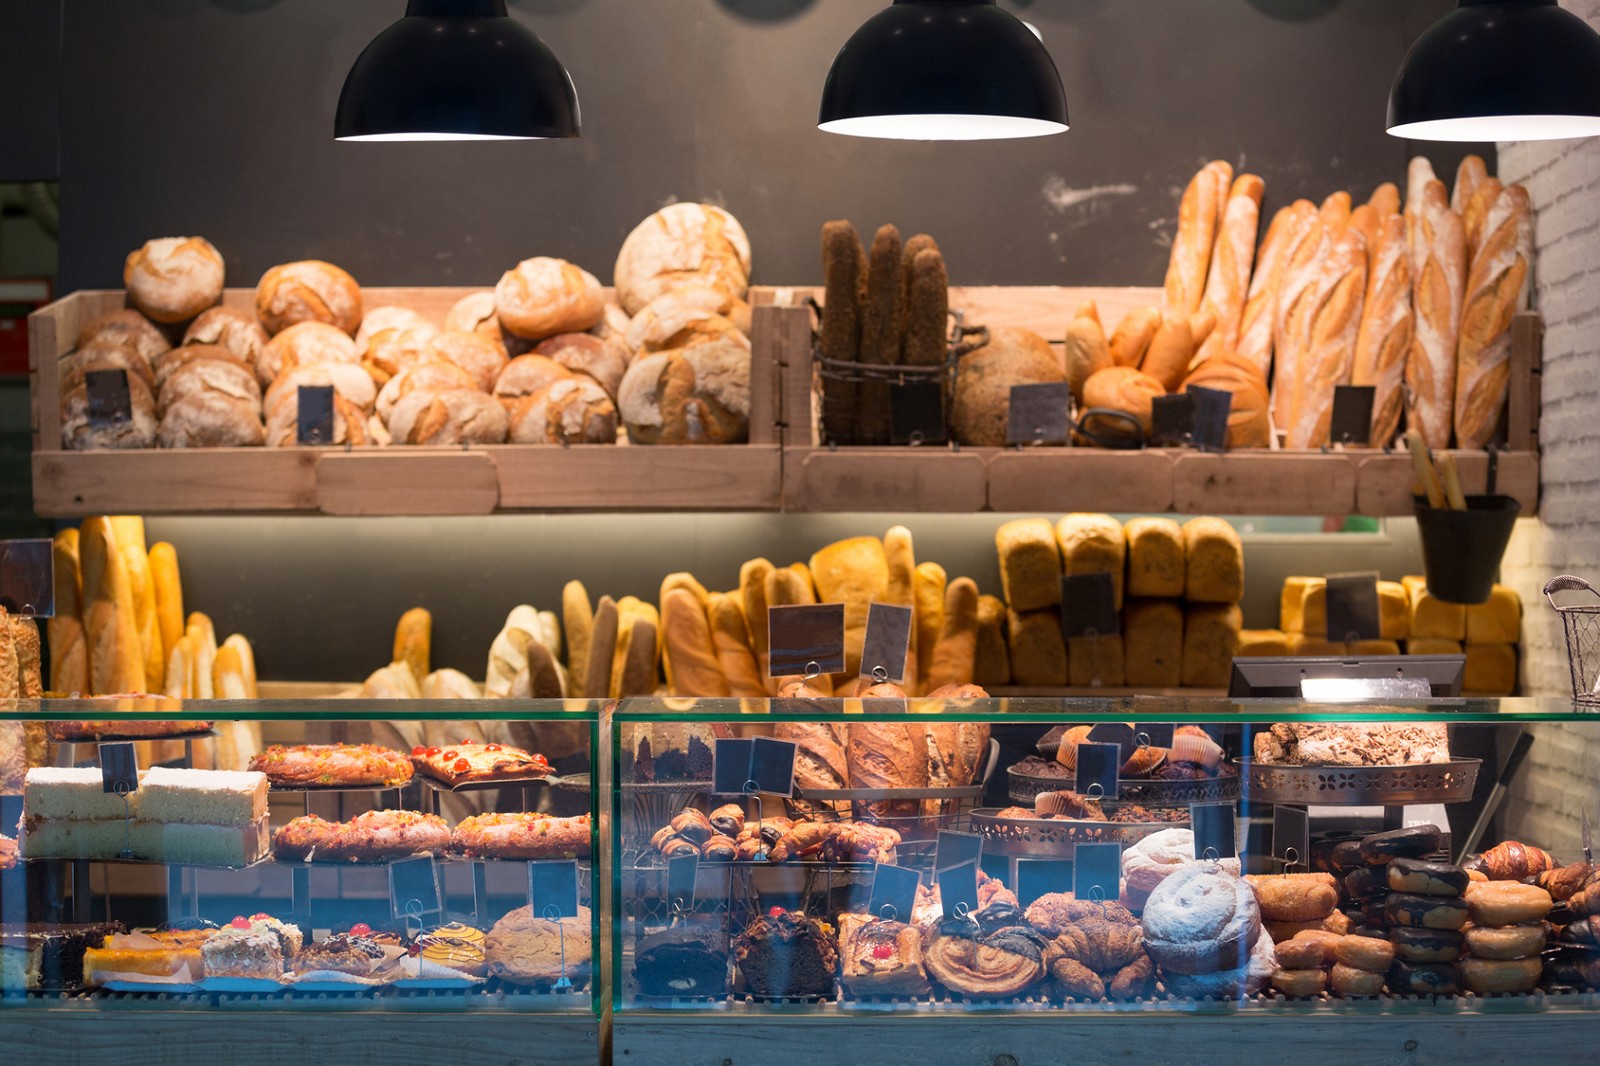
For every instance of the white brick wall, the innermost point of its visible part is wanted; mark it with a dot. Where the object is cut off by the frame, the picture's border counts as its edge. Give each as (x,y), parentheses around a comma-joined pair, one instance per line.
(1563,177)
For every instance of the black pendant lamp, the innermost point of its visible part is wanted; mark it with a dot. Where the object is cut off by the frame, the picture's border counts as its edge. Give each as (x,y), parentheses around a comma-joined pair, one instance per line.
(1500,70)
(943,70)
(456,70)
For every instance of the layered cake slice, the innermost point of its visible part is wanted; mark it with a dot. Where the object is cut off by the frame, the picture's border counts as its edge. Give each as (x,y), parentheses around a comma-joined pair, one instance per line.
(201,845)
(202,797)
(71,794)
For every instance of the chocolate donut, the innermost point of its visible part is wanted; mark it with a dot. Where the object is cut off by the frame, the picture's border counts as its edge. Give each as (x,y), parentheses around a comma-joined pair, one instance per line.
(1423,978)
(1413,842)
(1365,883)
(1425,912)
(1418,945)
(1427,878)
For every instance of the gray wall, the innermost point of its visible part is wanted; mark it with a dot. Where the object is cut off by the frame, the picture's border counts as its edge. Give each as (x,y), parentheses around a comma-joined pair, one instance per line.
(30,89)
(215,117)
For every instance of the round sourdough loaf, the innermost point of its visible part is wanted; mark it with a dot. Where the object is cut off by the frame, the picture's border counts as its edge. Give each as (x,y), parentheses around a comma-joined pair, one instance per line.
(574,410)
(526,375)
(450,417)
(1249,422)
(350,422)
(985,377)
(603,359)
(390,351)
(698,395)
(126,327)
(481,357)
(208,369)
(435,377)
(101,355)
(387,317)
(652,319)
(234,330)
(541,297)
(206,417)
(348,380)
(308,291)
(138,432)
(678,245)
(475,314)
(305,344)
(172,279)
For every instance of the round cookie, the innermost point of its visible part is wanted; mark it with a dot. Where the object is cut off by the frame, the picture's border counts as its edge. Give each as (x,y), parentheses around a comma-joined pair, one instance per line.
(1426,912)
(1507,903)
(1506,942)
(1426,945)
(1427,878)
(1365,953)
(1488,976)
(1349,981)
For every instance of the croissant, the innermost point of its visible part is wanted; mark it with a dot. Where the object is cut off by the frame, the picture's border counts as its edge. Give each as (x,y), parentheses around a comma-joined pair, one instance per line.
(772,829)
(720,849)
(693,826)
(728,819)
(1514,861)
(663,835)
(678,846)
(1566,881)
(1586,901)
(803,838)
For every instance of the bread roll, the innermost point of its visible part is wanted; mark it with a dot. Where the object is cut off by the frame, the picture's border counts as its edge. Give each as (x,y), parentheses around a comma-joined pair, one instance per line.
(1038,652)
(1210,641)
(1122,388)
(927,308)
(430,377)
(1213,561)
(1257,320)
(844,268)
(110,622)
(139,431)
(1232,257)
(390,351)
(526,375)
(348,381)
(127,328)
(753,593)
(668,324)
(483,358)
(102,356)
(984,379)
(606,361)
(992,660)
(171,364)
(1250,414)
(1439,274)
(698,395)
(1093,544)
(1386,329)
(1152,643)
(691,657)
(451,417)
(1155,557)
(1496,289)
(308,291)
(854,572)
(1087,350)
(388,318)
(542,297)
(681,245)
(574,410)
(929,588)
(1199,214)
(307,344)
(69,651)
(1170,352)
(211,419)
(476,314)
(172,279)
(1133,336)
(1030,564)
(1321,331)
(350,422)
(235,331)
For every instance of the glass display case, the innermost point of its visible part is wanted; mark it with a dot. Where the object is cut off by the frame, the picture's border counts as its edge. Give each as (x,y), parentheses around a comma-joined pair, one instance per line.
(354,855)
(1152,858)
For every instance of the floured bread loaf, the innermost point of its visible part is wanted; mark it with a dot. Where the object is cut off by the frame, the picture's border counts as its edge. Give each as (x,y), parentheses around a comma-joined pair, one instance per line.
(172,279)
(698,395)
(680,245)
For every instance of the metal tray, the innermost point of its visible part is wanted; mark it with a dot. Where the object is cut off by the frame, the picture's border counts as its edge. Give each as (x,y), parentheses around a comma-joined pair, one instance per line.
(1055,838)
(1146,792)
(1359,786)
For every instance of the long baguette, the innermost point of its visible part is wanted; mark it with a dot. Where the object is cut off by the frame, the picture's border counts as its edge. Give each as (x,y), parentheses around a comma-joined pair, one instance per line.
(1228,282)
(882,330)
(1476,216)
(1322,331)
(1385,199)
(1256,321)
(1301,271)
(1199,215)
(1496,286)
(69,652)
(1437,293)
(1386,328)
(116,656)
(1418,174)
(844,267)
(1469,175)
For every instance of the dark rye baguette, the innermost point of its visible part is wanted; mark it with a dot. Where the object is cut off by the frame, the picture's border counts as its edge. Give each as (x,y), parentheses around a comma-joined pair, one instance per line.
(882,327)
(844,273)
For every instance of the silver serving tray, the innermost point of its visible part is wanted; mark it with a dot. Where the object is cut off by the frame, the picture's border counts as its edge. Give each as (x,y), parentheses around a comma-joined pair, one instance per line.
(1055,838)
(1146,792)
(1359,786)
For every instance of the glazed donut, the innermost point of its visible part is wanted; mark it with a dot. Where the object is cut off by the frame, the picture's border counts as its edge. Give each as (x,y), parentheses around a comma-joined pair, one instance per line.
(1413,842)
(1300,954)
(1349,981)
(1300,984)
(1346,856)
(1487,976)
(1507,942)
(1294,897)
(1426,945)
(1365,883)
(1427,912)
(1427,878)
(1365,953)
(1507,903)
(1423,979)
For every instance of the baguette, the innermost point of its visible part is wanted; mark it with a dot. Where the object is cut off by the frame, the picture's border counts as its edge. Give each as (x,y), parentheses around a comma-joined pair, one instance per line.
(1418,174)
(116,656)
(202,662)
(602,650)
(169,594)
(228,676)
(1200,213)
(1228,282)
(1301,271)
(691,655)
(1256,320)
(900,552)
(631,611)
(1170,352)
(577,616)
(1469,175)
(179,668)
(753,591)
(1496,288)
(1385,200)
(246,655)
(413,638)
(992,660)
(130,541)
(1335,210)
(1364,220)
(1386,328)
(844,267)
(955,654)
(1322,331)
(1437,295)
(730,638)
(637,675)
(882,327)
(1087,349)
(927,307)
(682,579)
(1133,336)
(69,652)
(1475,217)
(10,664)
(929,588)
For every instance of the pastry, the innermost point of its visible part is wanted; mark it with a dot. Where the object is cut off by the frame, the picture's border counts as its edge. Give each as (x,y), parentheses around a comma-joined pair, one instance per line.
(689,959)
(1096,949)
(172,279)
(173,957)
(1353,982)
(1302,953)
(372,836)
(1245,980)
(1147,863)
(1366,882)
(472,762)
(48,957)
(1565,882)
(518,835)
(1413,842)
(456,946)
(720,849)
(1425,912)
(238,951)
(1489,976)
(693,826)
(880,958)
(1300,983)
(1201,919)
(339,765)
(786,955)
(1426,878)
(308,291)
(728,819)
(1512,861)
(1506,942)
(1364,953)
(349,953)
(1426,945)
(524,950)
(1498,903)
(1295,897)
(990,955)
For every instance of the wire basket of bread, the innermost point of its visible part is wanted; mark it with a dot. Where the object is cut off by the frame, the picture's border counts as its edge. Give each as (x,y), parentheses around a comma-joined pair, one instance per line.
(1578,604)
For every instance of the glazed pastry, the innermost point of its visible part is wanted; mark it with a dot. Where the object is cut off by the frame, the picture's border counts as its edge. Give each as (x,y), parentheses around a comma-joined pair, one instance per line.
(1098,953)
(1513,861)
(690,959)
(1508,942)
(693,826)
(720,849)
(880,958)
(1586,901)
(1366,882)
(1426,945)
(1295,897)
(346,953)
(786,954)
(1245,980)
(1301,953)
(990,955)
(1365,953)
(1201,919)
(1349,981)
(728,819)
(1565,882)
(1427,878)
(1413,842)
(1425,912)
(1497,903)
(457,946)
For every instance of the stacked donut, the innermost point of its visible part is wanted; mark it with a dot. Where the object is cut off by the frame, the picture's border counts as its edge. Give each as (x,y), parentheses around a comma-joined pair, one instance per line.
(1506,937)
(1292,904)
(1202,926)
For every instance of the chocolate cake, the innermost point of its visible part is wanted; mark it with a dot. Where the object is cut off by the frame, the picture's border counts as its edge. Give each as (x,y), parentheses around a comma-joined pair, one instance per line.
(48,957)
(690,959)
(787,955)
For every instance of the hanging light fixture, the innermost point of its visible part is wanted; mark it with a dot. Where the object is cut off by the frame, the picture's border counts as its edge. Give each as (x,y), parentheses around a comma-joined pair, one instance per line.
(456,70)
(1500,70)
(944,70)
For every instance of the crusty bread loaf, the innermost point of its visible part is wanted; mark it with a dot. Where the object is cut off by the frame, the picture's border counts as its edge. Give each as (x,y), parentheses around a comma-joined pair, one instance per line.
(691,655)
(753,592)
(929,587)
(1254,342)
(480,356)
(854,572)
(819,757)
(172,279)
(475,313)
(1250,413)
(1232,257)
(1030,564)
(1321,331)
(985,377)
(1439,245)
(574,410)
(695,395)
(308,291)
(1199,214)
(126,328)
(430,377)
(388,317)
(69,652)
(956,651)
(682,244)
(1037,648)
(1122,388)
(207,417)
(1087,349)
(603,359)
(1496,289)
(844,267)
(1384,340)
(602,650)
(78,433)
(1093,544)
(1155,557)
(1152,643)
(1213,561)
(448,417)
(730,637)
(111,624)
(1385,200)
(308,344)
(541,297)
(351,424)
(1170,352)
(883,755)
(1210,641)
(521,378)
(992,662)
(1132,337)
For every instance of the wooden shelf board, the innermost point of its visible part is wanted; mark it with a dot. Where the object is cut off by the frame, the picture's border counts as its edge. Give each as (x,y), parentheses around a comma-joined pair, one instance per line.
(1080,479)
(885,480)
(691,477)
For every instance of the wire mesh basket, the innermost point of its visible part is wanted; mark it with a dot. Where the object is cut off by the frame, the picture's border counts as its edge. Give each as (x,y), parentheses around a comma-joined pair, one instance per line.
(1578,604)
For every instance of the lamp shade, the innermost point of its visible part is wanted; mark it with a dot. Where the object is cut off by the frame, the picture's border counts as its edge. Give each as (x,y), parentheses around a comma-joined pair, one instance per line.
(456,70)
(1500,70)
(935,70)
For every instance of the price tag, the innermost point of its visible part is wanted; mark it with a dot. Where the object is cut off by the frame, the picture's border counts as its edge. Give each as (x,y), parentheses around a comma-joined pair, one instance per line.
(1042,877)
(806,639)
(1211,410)
(119,768)
(1172,420)
(1088,607)
(414,888)
(1039,414)
(1213,825)
(1097,872)
(958,889)
(730,765)
(1098,767)
(953,849)
(28,577)
(314,416)
(1353,607)
(1154,734)
(1291,835)
(894,892)
(553,889)
(887,643)
(741,767)
(683,875)
(1351,423)
(110,402)
(1118,733)
(916,413)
